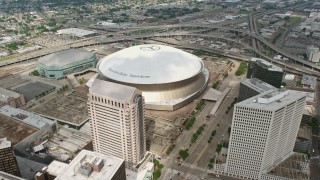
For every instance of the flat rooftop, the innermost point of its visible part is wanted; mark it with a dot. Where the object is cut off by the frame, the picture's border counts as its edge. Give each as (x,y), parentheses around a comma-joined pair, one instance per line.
(111,90)
(14,131)
(212,95)
(71,109)
(56,167)
(66,143)
(25,117)
(11,81)
(271,100)
(5,94)
(62,146)
(6,176)
(110,167)
(32,89)
(257,84)
(270,66)
(76,32)
(146,172)
(4,143)
(310,96)
(308,80)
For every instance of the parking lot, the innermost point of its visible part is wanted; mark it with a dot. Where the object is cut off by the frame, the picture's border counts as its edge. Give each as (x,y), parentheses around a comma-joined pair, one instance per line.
(33,89)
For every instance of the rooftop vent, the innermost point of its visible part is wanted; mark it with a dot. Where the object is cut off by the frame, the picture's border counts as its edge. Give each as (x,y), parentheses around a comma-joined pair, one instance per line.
(97,164)
(85,170)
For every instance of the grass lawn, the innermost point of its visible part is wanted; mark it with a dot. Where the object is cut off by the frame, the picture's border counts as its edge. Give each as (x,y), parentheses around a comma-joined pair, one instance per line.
(294,20)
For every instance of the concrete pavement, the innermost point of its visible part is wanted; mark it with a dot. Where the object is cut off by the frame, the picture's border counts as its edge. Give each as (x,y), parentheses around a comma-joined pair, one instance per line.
(201,152)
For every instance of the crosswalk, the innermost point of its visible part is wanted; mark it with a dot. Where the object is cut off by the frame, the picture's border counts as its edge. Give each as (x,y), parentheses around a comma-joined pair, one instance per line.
(315,157)
(172,174)
(191,177)
(193,166)
(169,174)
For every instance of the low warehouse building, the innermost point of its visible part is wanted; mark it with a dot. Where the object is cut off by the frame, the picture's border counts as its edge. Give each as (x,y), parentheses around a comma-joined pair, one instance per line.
(76,33)
(60,64)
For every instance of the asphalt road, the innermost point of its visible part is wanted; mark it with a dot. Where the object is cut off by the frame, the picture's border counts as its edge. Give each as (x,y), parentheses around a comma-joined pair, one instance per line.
(195,166)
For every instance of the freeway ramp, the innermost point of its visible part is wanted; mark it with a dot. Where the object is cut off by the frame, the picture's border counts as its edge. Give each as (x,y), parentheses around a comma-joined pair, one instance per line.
(219,101)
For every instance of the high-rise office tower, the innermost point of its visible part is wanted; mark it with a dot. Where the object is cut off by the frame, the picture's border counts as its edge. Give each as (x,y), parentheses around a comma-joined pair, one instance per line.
(265,71)
(313,53)
(8,162)
(117,121)
(263,133)
(252,87)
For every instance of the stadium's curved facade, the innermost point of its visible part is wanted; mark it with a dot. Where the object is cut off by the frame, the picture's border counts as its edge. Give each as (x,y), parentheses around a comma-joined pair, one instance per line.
(60,64)
(169,78)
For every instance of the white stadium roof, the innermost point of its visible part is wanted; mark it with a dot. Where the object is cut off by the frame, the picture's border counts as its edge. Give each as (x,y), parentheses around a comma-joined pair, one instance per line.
(65,57)
(150,64)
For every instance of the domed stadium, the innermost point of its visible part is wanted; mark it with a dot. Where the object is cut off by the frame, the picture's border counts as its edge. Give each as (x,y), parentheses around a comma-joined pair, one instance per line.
(60,64)
(169,78)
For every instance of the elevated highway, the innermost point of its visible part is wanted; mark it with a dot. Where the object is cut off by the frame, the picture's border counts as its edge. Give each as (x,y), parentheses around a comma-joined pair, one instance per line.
(199,31)
(89,42)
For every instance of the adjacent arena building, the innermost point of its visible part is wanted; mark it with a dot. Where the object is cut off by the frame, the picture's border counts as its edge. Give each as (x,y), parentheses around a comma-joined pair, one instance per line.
(169,78)
(60,64)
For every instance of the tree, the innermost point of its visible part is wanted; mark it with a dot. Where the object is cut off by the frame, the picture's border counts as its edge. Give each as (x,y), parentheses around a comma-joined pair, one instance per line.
(305,55)
(52,23)
(183,154)
(35,73)
(158,167)
(219,147)
(213,133)
(314,122)
(241,69)
(12,45)
(171,147)
(216,84)
(283,83)
(211,160)
(156,174)
(199,104)
(190,122)
(81,80)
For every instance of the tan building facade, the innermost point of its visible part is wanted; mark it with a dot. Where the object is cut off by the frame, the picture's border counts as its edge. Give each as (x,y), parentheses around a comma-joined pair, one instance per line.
(8,162)
(11,98)
(117,121)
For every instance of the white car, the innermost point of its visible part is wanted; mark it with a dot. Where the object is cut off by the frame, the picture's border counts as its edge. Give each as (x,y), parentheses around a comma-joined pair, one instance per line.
(313,150)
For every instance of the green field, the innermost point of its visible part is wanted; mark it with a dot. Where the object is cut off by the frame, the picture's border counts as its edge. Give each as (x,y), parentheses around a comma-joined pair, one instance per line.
(294,20)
